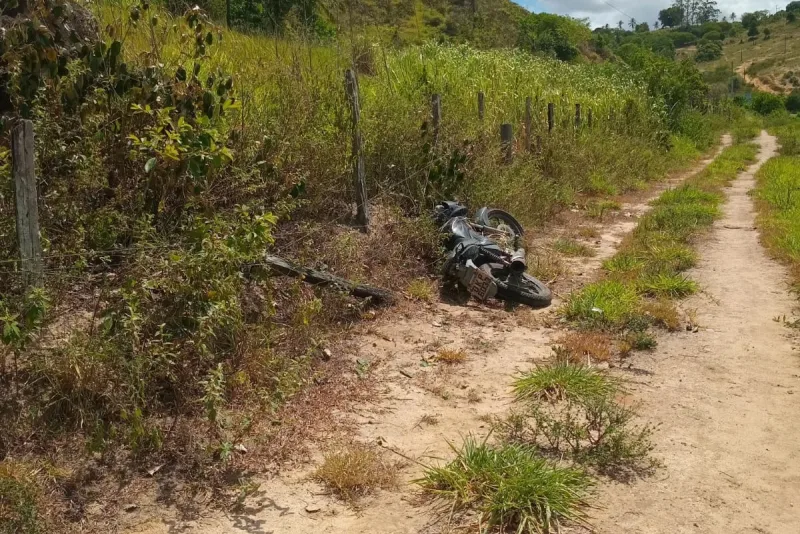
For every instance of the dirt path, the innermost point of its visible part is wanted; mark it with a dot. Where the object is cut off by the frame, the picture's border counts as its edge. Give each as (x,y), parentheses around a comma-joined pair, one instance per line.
(755,81)
(422,404)
(727,398)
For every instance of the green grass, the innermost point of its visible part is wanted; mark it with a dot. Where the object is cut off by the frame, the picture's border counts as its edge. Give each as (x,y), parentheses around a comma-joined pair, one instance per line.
(608,303)
(571,247)
(651,262)
(512,487)
(563,380)
(666,285)
(778,202)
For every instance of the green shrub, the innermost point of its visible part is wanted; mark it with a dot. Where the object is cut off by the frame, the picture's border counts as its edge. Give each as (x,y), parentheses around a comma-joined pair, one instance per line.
(608,303)
(766,103)
(708,51)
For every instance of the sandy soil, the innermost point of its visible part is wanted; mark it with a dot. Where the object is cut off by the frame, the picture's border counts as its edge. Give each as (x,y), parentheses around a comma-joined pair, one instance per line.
(725,399)
(755,81)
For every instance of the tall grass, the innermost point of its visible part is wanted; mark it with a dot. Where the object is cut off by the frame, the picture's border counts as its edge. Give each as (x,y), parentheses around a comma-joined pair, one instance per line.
(778,201)
(293,125)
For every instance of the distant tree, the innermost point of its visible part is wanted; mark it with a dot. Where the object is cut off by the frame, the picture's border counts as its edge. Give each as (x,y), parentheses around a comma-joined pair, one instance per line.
(733,16)
(705,11)
(655,25)
(767,33)
(632,23)
(752,29)
(708,51)
(793,6)
(642,28)
(748,19)
(766,103)
(620,25)
(671,17)
(791,16)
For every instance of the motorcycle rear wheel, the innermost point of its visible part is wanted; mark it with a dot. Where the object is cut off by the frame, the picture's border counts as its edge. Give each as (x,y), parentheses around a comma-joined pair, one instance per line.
(529,291)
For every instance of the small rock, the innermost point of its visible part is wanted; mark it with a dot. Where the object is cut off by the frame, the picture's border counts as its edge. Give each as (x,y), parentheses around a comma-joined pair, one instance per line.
(130,507)
(790,392)
(312,508)
(603,365)
(437,324)
(240,448)
(98,456)
(326,354)
(688,328)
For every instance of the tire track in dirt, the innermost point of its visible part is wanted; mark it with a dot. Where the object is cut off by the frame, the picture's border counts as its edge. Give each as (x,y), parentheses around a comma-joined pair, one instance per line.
(400,350)
(727,397)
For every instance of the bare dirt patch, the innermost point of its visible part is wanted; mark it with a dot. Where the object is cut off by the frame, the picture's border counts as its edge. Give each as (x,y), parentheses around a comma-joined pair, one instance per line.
(725,397)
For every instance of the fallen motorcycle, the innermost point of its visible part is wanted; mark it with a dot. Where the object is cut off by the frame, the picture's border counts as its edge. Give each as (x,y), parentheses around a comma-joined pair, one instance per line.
(484,255)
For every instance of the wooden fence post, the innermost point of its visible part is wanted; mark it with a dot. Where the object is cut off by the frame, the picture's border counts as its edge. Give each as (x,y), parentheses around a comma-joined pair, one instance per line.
(481,105)
(507,142)
(528,120)
(577,116)
(25,196)
(436,112)
(551,116)
(359,179)
(538,144)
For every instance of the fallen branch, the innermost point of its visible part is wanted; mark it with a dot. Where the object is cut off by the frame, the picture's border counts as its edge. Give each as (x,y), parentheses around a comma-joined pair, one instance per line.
(276,264)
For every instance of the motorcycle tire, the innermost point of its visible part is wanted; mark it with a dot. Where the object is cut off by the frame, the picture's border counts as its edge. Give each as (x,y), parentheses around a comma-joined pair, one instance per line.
(530,292)
(486,215)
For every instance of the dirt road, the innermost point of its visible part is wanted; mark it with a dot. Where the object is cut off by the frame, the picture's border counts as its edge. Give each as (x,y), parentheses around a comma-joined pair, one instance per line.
(727,397)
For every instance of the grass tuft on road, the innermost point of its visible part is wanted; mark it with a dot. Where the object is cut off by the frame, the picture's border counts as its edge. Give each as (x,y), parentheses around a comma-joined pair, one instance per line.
(513,487)
(563,380)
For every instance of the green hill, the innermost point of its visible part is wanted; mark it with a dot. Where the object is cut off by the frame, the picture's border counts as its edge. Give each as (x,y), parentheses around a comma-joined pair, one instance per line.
(483,23)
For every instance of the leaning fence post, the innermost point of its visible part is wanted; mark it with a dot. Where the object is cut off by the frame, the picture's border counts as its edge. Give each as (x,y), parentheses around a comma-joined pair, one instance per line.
(359,179)
(577,116)
(551,116)
(528,120)
(507,142)
(436,112)
(25,196)
(481,105)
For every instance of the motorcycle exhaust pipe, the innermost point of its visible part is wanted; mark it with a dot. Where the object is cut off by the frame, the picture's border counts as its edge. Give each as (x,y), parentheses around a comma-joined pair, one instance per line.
(518,262)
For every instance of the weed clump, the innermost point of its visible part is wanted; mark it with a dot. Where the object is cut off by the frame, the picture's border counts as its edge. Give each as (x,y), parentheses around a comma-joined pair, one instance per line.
(451,356)
(572,409)
(356,470)
(512,487)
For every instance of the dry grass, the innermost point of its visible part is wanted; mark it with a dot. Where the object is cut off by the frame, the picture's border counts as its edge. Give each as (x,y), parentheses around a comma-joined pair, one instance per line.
(474,396)
(428,420)
(579,347)
(356,470)
(663,312)
(421,289)
(587,232)
(451,356)
(546,265)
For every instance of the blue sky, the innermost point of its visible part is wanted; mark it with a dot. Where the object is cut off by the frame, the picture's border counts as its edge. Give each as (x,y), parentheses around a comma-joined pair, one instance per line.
(600,12)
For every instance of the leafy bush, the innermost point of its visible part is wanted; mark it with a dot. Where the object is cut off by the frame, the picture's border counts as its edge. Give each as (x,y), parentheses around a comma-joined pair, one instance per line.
(792,103)
(708,51)
(766,103)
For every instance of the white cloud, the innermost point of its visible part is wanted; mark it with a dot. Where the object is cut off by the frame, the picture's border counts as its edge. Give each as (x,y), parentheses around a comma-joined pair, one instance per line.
(600,12)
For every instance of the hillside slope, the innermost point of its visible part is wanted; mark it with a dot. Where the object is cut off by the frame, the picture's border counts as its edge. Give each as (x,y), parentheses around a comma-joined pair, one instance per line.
(771,64)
